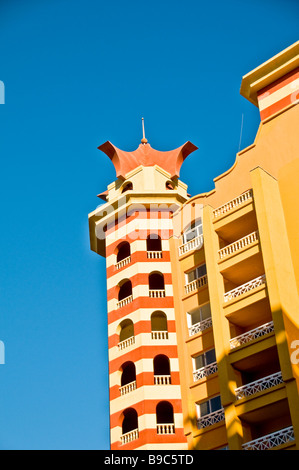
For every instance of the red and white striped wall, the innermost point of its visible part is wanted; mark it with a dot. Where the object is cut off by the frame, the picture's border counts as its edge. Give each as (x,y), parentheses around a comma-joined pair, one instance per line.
(146,394)
(279,95)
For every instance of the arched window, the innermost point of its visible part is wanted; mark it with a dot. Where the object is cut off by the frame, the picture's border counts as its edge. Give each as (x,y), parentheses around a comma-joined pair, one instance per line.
(125,292)
(126,334)
(156,285)
(165,418)
(128,378)
(129,425)
(123,251)
(154,246)
(159,325)
(162,370)
(127,187)
(126,330)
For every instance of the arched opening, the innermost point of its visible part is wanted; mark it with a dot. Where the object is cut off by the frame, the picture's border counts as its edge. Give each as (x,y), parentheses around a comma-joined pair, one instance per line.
(156,281)
(165,418)
(128,376)
(126,330)
(125,289)
(130,421)
(127,187)
(154,246)
(159,325)
(161,365)
(123,251)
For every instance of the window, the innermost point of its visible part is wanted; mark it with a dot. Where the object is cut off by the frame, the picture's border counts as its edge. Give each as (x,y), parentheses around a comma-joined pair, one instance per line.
(159,325)
(203,360)
(156,281)
(161,365)
(130,421)
(196,273)
(198,315)
(123,251)
(165,418)
(128,373)
(194,231)
(127,187)
(126,330)
(208,407)
(125,290)
(153,242)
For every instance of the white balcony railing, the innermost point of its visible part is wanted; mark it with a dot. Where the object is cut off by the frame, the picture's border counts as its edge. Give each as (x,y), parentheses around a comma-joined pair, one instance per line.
(159,334)
(125,301)
(195,243)
(196,284)
(165,428)
(236,202)
(129,436)
(123,262)
(238,245)
(126,342)
(248,286)
(200,326)
(252,335)
(205,371)
(157,292)
(259,385)
(210,419)
(154,254)
(162,379)
(128,388)
(271,440)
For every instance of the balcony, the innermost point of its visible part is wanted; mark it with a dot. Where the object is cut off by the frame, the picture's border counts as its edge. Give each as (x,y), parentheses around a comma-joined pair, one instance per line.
(210,419)
(125,301)
(154,254)
(271,440)
(244,288)
(128,388)
(194,244)
(196,284)
(200,326)
(259,385)
(129,436)
(159,334)
(205,371)
(162,379)
(167,428)
(239,245)
(251,335)
(157,292)
(234,203)
(123,262)
(126,343)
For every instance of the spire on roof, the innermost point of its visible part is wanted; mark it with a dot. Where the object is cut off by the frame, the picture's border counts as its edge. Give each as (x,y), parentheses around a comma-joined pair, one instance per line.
(143,140)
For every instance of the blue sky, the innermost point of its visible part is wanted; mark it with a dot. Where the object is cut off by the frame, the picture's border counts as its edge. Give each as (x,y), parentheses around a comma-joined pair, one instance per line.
(77,74)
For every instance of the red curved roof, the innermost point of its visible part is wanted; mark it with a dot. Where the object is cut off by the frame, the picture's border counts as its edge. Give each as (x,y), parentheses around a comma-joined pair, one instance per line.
(145,155)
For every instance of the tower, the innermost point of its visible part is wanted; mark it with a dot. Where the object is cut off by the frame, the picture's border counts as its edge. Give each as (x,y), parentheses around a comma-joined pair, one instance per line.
(203,291)
(132,230)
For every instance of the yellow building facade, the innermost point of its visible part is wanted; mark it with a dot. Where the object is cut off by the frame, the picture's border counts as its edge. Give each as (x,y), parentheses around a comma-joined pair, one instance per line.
(203,306)
(239,322)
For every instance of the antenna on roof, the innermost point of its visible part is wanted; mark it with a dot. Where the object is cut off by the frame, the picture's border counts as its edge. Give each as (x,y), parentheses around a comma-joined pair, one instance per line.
(143,140)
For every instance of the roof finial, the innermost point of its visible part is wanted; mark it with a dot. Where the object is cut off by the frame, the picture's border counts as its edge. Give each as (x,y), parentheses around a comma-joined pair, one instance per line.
(143,140)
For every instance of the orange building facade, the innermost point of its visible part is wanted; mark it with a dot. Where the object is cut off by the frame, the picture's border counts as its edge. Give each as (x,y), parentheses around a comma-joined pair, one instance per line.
(202,292)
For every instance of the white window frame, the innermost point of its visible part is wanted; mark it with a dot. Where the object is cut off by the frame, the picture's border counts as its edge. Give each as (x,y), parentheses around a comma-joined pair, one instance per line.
(197,229)
(198,274)
(192,312)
